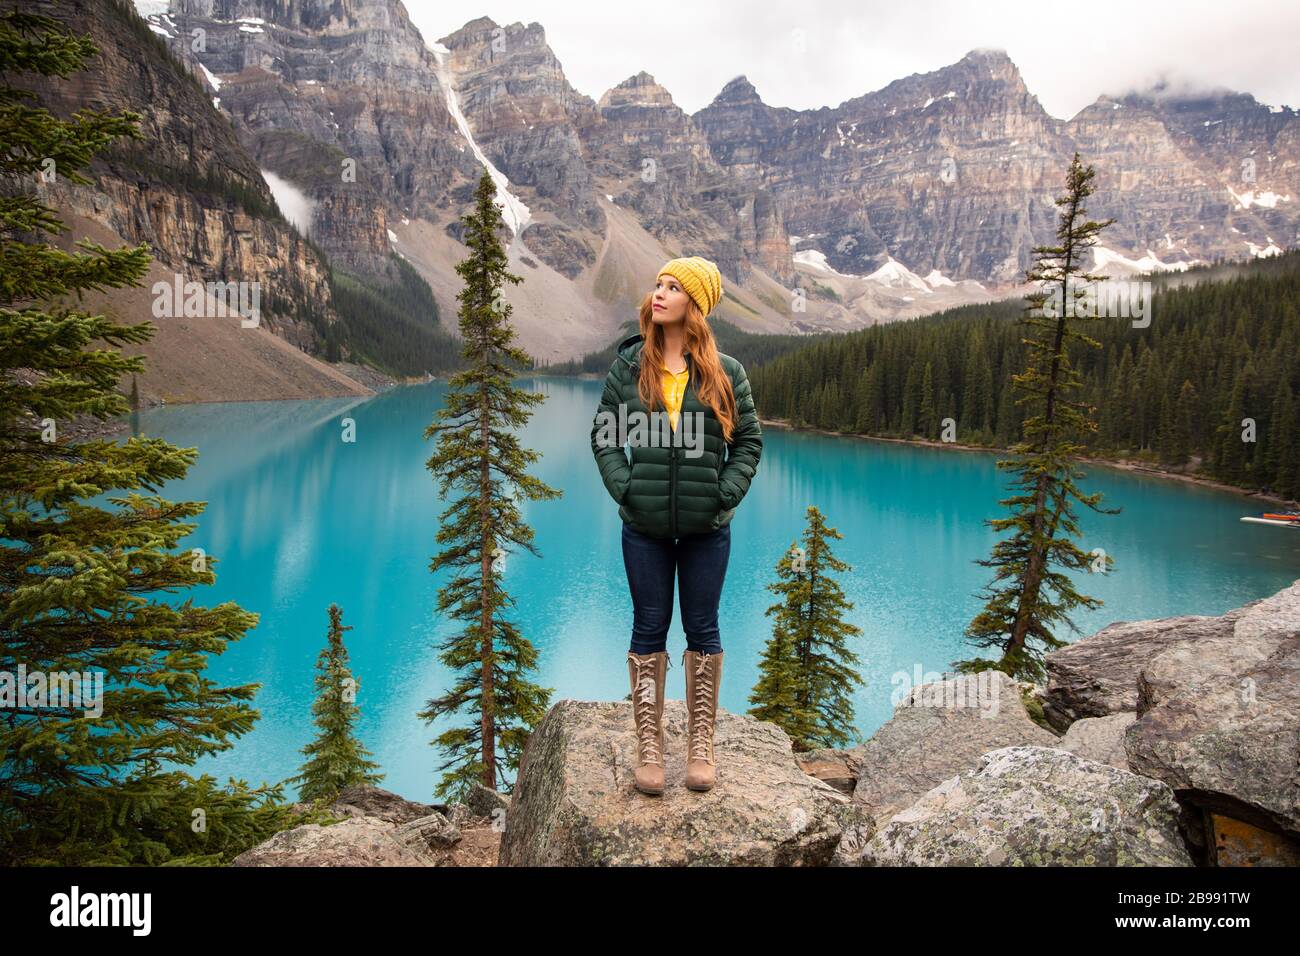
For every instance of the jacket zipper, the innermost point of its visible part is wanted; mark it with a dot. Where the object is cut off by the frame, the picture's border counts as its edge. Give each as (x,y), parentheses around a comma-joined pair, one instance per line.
(672,457)
(672,493)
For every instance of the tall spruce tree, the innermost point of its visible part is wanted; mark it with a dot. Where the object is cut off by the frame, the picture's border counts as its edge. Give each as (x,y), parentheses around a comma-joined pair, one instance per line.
(336,758)
(1031,590)
(87,779)
(806,671)
(479,456)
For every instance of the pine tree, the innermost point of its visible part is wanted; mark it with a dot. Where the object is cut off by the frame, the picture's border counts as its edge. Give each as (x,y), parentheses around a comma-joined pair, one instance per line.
(911,388)
(864,420)
(336,759)
(89,779)
(1009,423)
(806,670)
(971,418)
(1284,474)
(479,455)
(927,418)
(1182,429)
(777,693)
(1230,462)
(984,391)
(873,419)
(1031,589)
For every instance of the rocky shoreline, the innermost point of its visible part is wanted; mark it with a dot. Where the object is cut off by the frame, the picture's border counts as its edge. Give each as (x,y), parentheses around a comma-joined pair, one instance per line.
(1122,464)
(1171,742)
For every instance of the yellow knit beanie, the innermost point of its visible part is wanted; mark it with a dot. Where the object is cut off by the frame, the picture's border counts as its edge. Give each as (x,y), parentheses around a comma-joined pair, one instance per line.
(700,279)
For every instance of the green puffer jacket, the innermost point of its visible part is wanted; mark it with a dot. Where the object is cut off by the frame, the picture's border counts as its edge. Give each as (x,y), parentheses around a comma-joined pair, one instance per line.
(682,485)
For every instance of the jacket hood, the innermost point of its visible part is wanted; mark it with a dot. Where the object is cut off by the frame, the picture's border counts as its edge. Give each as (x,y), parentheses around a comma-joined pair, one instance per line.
(630,348)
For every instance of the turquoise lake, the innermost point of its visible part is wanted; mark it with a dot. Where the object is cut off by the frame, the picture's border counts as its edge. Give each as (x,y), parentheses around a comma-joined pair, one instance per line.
(298,518)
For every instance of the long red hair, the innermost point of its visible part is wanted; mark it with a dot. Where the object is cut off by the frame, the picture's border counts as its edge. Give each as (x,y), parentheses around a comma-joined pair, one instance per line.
(712,384)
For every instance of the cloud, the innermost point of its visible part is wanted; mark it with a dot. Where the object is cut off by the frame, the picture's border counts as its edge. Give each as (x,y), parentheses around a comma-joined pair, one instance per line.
(297,207)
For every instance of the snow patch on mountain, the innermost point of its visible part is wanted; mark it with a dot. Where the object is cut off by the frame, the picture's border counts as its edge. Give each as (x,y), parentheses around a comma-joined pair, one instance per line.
(817,260)
(892,275)
(1263,252)
(514,211)
(213,80)
(896,275)
(947,96)
(1267,199)
(1108,260)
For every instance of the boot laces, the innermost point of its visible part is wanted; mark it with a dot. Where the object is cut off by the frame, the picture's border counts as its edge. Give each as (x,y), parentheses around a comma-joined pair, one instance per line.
(646,700)
(702,708)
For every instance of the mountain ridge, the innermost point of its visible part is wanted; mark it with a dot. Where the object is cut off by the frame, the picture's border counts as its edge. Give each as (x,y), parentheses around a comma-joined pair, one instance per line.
(947,174)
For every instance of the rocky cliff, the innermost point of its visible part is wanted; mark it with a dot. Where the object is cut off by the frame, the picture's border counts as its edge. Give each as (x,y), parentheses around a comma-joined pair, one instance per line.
(342,100)
(186,187)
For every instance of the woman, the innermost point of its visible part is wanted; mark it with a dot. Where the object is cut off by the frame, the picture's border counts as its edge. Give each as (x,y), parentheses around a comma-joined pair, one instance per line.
(676,498)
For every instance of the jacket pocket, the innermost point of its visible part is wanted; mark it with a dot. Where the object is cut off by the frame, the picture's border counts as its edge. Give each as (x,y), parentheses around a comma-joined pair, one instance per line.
(724,501)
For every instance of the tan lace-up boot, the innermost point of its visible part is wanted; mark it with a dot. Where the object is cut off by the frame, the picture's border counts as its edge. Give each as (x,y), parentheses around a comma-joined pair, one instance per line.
(703,677)
(646,673)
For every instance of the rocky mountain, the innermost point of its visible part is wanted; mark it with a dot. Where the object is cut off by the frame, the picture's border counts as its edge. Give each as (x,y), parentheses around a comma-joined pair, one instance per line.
(956,170)
(340,99)
(185,187)
(928,193)
(189,190)
(947,170)
(1250,150)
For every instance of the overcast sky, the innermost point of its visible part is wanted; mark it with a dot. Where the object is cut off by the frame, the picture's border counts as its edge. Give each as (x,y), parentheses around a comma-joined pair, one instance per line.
(815,53)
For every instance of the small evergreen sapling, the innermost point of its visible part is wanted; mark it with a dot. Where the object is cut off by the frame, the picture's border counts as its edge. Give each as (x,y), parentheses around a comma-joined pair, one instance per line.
(807,675)
(336,758)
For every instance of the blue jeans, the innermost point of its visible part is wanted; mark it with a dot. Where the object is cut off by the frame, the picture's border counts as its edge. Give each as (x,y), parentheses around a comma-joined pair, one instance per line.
(700,563)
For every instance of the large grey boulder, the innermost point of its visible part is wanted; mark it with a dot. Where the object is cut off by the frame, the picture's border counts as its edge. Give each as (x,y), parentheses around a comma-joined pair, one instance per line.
(1035,806)
(1230,742)
(575,804)
(434,832)
(483,802)
(1099,738)
(358,841)
(939,730)
(1185,666)
(1098,675)
(363,800)
(1279,614)
(1217,716)
(378,828)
